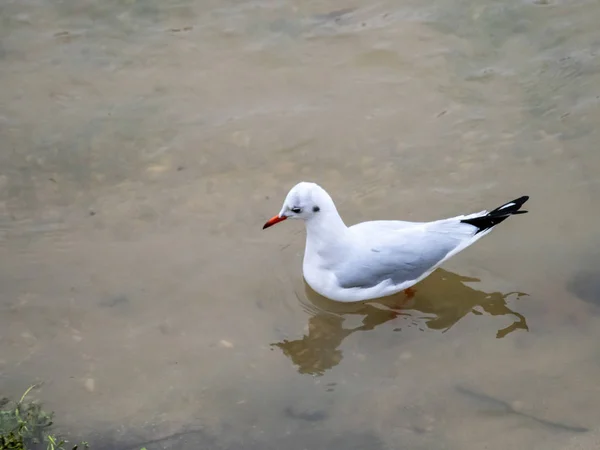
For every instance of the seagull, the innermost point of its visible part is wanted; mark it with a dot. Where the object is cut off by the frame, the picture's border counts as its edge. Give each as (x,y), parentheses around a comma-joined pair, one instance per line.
(378,258)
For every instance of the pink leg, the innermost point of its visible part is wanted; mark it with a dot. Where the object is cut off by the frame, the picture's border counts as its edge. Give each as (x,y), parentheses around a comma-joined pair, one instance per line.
(410,293)
(402,303)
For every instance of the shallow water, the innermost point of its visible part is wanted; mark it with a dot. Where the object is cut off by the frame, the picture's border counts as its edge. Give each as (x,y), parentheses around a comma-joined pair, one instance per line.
(144,144)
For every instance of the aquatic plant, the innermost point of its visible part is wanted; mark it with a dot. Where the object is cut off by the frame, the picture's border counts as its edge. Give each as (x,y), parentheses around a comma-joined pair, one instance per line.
(25,423)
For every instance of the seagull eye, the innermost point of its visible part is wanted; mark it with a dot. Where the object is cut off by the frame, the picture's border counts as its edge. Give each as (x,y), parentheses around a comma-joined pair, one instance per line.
(296,210)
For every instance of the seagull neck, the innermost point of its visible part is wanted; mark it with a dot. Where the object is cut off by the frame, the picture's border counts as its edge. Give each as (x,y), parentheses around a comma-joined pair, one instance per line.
(326,228)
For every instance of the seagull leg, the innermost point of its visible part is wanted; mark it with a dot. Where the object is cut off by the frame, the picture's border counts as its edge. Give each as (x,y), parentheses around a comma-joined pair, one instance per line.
(404,302)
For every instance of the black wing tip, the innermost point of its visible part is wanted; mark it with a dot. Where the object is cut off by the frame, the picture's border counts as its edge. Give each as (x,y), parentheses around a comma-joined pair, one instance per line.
(511,207)
(498,215)
(521,200)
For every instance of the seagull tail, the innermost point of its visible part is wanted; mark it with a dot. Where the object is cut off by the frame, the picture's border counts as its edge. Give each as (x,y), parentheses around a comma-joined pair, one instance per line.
(493,218)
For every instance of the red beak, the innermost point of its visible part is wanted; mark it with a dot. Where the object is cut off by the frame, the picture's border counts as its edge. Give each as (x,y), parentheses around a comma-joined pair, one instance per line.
(273,220)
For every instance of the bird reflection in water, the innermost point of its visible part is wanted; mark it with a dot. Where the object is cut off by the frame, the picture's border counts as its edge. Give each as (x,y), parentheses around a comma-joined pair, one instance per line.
(443,297)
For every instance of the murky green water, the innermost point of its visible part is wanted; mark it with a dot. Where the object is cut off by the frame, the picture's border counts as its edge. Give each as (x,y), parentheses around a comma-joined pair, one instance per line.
(143,144)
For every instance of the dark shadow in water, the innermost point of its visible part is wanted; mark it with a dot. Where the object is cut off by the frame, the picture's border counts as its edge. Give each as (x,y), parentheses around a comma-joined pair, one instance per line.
(585,280)
(308,437)
(586,286)
(443,297)
(500,406)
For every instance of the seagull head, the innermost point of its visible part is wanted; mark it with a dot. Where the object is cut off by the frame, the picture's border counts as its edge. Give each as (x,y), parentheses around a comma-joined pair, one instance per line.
(306,201)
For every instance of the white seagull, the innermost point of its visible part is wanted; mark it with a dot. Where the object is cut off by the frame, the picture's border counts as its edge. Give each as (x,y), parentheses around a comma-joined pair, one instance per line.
(379,258)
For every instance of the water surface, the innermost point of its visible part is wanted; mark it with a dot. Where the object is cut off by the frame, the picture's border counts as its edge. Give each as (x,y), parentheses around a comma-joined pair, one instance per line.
(143,144)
